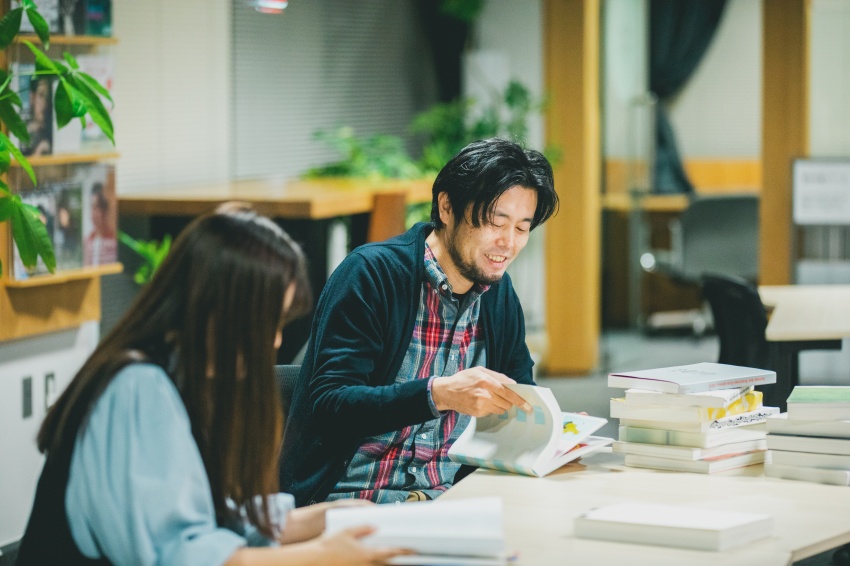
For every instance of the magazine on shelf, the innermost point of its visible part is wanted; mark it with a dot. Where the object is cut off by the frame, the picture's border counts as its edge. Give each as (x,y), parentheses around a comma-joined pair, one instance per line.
(532,444)
(102,69)
(68,227)
(100,213)
(36,94)
(692,378)
(673,525)
(463,532)
(44,200)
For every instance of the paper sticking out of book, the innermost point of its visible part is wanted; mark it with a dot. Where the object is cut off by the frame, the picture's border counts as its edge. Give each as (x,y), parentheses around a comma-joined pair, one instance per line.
(673,525)
(533,444)
(466,532)
(692,378)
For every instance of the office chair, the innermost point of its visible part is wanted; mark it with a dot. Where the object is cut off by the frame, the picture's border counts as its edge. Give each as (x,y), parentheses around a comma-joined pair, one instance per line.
(716,234)
(286,376)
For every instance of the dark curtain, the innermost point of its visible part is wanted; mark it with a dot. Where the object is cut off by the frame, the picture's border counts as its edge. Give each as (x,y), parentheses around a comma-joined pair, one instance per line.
(446,36)
(680,32)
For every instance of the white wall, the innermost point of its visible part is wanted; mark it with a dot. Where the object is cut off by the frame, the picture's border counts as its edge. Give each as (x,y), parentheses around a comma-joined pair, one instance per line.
(60,353)
(172,92)
(718,112)
(829,81)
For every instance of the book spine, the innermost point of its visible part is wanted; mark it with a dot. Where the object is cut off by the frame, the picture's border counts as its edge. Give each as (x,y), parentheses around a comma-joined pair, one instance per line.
(689,439)
(806,473)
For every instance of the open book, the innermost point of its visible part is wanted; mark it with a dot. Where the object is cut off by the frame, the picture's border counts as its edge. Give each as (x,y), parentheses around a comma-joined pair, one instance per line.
(532,444)
(464,532)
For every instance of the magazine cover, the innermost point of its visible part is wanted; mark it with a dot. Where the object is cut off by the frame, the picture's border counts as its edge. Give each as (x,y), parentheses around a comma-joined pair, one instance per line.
(100,213)
(101,68)
(68,225)
(49,10)
(44,200)
(99,18)
(36,109)
(73,17)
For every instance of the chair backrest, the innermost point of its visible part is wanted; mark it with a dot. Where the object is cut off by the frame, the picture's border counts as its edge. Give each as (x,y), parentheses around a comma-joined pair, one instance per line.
(720,235)
(286,376)
(739,319)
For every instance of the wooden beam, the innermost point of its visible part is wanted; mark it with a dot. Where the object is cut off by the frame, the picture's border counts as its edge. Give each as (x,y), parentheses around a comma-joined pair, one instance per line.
(785,129)
(572,249)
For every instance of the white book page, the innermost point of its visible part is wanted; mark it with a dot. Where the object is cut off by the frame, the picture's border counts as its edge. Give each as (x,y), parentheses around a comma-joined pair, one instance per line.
(469,528)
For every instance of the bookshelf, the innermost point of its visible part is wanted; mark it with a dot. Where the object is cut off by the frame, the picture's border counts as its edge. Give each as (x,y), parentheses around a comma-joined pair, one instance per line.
(40,303)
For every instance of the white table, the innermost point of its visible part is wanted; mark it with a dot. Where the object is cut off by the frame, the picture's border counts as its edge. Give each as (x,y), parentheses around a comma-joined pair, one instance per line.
(539,512)
(803,317)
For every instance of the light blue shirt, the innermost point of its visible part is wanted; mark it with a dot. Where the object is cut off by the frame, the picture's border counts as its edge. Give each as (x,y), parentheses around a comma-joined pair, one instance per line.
(138,492)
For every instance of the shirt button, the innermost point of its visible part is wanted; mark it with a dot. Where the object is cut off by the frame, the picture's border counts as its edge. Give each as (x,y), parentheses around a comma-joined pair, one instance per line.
(413,469)
(424,436)
(444,287)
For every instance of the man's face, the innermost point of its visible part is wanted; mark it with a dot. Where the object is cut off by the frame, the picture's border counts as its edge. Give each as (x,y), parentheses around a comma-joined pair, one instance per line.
(481,255)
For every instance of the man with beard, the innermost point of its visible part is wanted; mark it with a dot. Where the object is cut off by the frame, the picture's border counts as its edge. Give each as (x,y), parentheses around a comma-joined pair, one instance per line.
(414,335)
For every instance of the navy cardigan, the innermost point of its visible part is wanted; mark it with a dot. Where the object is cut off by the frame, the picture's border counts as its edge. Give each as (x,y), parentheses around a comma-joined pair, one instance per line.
(361,330)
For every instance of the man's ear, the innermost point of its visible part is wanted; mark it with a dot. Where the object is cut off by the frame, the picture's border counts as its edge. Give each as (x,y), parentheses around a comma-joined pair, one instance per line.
(444,206)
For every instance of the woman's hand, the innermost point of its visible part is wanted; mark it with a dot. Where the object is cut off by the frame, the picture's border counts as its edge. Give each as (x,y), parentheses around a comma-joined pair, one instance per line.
(345,547)
(308,522)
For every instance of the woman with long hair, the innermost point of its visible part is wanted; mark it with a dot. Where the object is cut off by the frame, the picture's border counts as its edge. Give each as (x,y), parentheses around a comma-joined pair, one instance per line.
(164,447)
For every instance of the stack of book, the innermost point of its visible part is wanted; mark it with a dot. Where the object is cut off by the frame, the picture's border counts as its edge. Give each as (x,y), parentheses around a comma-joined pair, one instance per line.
(692,418)
(811,442)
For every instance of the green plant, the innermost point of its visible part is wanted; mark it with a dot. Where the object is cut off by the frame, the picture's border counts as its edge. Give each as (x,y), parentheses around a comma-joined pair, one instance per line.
(375,157)
(77,94)
(152,253)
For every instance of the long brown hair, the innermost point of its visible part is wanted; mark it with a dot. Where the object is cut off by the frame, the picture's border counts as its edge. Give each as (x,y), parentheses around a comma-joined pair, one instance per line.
(209,317)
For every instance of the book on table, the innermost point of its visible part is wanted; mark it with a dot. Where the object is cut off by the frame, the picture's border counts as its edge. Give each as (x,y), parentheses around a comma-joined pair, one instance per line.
(673,525)
(819,403)
(687,452)
(809,444)
(704,466)
(707,439)
(533,444)
(807,473)
(692,378)
(623,408)
(781,424)
(748,419)
(464,532)
(718,399)
(810,459)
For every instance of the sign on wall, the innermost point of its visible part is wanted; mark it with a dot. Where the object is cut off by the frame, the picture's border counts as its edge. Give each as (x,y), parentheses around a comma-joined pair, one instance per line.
(821,192)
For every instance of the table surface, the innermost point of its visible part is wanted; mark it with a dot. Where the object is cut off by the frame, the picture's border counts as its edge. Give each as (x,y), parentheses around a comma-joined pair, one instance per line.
(809,518)
(279,198)
(807,312)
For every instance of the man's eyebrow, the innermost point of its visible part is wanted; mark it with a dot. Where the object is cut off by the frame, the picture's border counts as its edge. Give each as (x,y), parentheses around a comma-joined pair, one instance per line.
(500,214)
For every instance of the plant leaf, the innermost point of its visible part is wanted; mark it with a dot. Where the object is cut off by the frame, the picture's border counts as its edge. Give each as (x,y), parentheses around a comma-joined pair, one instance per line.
(10,25)
(39,24)
(98,112)
(30,235)
(68,103)
(19,157)
(94,85)
(42,61)
(71,61)
(7,206)
(13,120)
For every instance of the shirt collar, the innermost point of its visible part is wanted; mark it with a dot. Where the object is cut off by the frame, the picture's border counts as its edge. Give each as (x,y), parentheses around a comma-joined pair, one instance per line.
(435,275)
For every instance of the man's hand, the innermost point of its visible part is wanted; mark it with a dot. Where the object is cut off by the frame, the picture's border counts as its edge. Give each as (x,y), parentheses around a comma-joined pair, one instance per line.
(477,392)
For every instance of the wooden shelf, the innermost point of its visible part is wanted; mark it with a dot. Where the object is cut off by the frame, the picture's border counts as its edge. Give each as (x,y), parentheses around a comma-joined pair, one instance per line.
(69,39)
(64,159)
(65,276)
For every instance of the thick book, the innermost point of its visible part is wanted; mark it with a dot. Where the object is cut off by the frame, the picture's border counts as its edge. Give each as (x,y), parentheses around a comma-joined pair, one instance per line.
(819,403)
(689,453)
(622,408)
(809,444)
(464,532)
(692,378)
(744,419)
(807,473)
(825,461)
(532,444)
(691,439)
(673,525)
(706,466)
(781,424)
(718,399)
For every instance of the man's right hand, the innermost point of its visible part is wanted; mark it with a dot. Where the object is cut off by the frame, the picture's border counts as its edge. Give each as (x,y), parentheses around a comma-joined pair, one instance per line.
(477,392)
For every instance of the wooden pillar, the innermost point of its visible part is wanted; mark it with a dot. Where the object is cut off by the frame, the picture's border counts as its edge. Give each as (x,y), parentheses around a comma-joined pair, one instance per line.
(785,129)
(572,249)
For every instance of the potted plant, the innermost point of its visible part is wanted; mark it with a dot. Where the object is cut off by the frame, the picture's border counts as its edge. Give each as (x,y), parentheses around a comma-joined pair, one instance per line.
(77,95)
